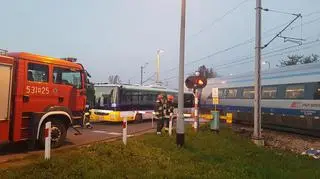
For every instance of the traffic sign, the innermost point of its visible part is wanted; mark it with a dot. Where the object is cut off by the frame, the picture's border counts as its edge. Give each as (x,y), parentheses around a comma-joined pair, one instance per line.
(215,100)
(215,92)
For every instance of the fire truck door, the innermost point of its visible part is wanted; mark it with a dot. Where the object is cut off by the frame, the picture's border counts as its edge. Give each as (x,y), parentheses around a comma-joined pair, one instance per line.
(66,85)
(5,98)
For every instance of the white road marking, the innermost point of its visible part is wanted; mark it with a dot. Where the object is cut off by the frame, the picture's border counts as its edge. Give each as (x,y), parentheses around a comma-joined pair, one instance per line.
(111,133)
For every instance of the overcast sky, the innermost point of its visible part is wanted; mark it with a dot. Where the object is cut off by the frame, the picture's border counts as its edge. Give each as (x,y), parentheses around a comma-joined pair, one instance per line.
(118,36)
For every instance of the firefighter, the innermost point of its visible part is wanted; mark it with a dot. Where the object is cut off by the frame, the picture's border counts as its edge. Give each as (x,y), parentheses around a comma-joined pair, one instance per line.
(159,112)
(86,121)
(169,110)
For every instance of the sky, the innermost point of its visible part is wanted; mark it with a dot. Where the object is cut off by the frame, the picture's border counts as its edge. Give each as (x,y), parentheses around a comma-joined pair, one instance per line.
(117,37)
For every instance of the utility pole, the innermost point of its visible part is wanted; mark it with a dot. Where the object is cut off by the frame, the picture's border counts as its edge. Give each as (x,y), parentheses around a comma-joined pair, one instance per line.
(141,71)
(141,78)
(257,139)
(158,66)
(180,121)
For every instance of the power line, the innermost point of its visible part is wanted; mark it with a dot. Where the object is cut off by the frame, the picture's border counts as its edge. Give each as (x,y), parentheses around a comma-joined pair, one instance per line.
(220,18)
(277,11)
(267,55)
(149,78)
(248,59)
(245,42)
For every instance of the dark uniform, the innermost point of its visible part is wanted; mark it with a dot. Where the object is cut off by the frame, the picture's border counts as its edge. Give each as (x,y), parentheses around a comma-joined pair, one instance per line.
(159,112)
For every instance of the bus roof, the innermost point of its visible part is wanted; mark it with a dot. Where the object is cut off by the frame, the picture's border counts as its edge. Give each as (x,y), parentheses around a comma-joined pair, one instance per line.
(139,87)
(44,59)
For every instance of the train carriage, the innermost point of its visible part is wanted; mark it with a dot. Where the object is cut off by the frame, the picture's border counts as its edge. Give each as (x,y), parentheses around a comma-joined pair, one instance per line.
(290,98)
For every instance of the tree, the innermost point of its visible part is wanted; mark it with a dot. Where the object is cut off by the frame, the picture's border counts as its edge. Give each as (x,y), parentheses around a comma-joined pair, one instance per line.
(299,59)
(114,79)
(292,60)
(207,72)
(310,59)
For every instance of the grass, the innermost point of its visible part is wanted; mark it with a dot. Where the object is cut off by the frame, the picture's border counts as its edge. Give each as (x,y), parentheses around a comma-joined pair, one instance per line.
(205,155)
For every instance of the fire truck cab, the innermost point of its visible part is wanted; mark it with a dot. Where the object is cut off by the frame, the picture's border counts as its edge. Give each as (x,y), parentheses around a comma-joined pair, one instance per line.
(36,89)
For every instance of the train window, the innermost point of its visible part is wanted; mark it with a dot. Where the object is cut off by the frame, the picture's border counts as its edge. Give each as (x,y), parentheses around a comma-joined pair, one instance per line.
(221,93)
(269,92)
(316,94)
(295,91)
(231,93)
(248,93)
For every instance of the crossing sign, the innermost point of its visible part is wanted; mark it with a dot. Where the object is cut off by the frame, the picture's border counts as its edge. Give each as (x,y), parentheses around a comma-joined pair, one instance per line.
(215,100)
(215,92)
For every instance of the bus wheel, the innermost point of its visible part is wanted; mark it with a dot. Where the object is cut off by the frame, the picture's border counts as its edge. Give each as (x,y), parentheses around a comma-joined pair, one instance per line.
(138,118)
(58,134)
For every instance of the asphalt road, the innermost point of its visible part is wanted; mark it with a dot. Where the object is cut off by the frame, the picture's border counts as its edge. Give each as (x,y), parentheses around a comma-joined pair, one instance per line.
(104,131)
(99,132)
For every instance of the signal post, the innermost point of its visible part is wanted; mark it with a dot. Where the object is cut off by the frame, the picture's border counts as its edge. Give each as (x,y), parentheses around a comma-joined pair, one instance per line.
(196,82)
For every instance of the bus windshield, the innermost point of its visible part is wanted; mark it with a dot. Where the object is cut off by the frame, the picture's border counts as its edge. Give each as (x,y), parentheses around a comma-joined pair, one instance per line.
(106,97)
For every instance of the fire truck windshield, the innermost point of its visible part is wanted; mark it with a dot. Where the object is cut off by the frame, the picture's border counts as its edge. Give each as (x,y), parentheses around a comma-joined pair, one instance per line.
(67,77)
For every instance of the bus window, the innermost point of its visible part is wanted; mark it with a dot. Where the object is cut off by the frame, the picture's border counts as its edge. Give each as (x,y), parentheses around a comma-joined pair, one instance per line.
(106,97)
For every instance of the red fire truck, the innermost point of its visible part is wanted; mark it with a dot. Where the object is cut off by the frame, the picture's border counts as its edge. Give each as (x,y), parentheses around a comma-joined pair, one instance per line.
(36,89)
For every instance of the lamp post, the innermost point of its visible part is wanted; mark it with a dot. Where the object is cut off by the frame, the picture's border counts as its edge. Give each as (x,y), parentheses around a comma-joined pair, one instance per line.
(158,64)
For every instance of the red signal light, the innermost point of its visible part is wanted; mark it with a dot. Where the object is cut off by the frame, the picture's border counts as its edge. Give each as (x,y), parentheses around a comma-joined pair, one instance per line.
(196,82)
(200,82)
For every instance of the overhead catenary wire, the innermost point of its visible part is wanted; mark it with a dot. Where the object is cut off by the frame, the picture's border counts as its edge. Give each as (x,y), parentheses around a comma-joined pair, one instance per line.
(248,41)
(248,59)
(219,18)
(213,23)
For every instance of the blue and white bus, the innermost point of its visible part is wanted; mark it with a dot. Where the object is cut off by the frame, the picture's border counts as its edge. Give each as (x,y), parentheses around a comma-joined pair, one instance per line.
(114,102)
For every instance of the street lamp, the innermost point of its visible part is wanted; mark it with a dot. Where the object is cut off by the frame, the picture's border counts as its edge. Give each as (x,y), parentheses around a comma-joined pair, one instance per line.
(141,69)
(159,51)
(266,62)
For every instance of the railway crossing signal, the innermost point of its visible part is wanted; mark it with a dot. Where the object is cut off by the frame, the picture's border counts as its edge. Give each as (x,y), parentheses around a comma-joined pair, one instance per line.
(196,82)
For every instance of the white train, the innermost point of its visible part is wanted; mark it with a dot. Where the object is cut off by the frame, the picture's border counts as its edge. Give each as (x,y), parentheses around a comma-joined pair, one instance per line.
(290,98)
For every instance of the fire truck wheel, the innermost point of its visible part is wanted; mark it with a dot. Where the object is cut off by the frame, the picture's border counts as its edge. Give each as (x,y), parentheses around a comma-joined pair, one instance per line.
(58,134)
